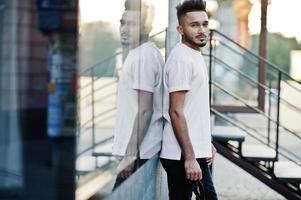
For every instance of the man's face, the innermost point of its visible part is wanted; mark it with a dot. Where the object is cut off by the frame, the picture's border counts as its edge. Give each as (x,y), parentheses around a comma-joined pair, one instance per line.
(130,28)
(194,27)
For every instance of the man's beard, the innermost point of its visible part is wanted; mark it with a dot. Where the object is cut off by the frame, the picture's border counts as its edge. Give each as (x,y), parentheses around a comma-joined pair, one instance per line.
(192,40)
(202,44)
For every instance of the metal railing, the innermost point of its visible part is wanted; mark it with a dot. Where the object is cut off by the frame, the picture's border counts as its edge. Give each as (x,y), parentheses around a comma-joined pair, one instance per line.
(95,118)
(215,38)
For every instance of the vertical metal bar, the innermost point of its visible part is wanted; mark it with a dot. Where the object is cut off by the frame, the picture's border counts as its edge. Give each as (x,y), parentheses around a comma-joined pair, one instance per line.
(173,36)
(269,114)
(210,67)
(93,112)
(262,53)
(278,112)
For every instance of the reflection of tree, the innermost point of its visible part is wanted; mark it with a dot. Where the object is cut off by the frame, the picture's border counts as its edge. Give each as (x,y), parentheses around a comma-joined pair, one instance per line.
(160,42)
(278,53)
(98,41)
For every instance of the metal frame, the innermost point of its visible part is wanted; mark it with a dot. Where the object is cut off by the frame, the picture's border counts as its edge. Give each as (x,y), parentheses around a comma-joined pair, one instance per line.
(256,172)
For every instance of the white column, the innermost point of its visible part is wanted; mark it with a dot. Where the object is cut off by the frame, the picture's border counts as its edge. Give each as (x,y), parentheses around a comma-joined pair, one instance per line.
(172,35)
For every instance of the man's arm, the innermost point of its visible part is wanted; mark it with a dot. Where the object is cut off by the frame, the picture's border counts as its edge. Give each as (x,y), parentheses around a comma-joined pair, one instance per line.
(179,125)
(142,121)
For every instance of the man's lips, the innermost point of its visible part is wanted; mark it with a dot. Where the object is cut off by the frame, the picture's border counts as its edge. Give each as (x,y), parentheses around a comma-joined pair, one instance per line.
(201,37)
(125,36)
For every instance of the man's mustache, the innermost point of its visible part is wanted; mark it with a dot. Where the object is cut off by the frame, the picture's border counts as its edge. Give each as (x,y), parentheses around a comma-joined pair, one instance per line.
(202,36)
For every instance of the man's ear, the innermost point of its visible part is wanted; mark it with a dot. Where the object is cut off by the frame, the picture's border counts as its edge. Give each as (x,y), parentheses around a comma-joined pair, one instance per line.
(180,29)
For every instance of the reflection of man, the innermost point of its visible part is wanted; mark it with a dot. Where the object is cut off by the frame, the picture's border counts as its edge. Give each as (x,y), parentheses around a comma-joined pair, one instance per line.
(139,102)
(187,151)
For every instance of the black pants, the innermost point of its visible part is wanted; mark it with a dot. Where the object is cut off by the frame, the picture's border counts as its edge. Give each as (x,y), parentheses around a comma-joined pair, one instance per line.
(180,188)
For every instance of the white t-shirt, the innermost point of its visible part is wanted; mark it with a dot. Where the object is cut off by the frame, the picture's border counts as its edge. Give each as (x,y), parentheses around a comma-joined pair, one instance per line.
(185,69)
(142,70)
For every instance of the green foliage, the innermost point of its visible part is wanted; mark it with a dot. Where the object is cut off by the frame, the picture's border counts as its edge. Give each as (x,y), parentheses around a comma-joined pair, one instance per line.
(278,49)
(98,41)
(278,53)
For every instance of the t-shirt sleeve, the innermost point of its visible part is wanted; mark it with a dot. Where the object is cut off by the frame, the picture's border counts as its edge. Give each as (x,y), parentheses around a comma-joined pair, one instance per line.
(145,72)
(178,76)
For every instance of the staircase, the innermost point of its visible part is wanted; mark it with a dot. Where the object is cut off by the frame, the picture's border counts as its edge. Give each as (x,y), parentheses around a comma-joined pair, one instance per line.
(97,114)
(259,139)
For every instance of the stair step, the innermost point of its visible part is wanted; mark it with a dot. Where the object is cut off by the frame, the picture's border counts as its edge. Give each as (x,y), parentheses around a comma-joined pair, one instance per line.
(85,163)
(88,163)
(103,150)
(287,171)
(257,152)
(228,133)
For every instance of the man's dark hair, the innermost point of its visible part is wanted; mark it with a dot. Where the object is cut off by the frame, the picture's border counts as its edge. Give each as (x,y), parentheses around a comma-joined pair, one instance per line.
(134,5)
(146,10)
(190,6)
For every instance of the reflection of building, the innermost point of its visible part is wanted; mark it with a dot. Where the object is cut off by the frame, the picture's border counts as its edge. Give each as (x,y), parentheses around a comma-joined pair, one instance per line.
(242,9)
(27,166)
(23,81)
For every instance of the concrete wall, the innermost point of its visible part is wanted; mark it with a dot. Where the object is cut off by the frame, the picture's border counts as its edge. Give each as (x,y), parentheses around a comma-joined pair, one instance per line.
(148,183)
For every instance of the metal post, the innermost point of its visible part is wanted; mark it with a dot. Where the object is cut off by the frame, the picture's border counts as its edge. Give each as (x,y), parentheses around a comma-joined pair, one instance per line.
(269,114)
(262,53)
(278,112)
(172,36)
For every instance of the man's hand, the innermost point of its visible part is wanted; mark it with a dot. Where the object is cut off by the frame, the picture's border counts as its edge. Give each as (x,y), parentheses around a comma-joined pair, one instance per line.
(193,170)
(125,168)
(210,160)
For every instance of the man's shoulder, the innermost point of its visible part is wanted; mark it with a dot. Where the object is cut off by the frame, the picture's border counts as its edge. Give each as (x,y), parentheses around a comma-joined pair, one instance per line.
(148,50)
(177,55)
(148,47)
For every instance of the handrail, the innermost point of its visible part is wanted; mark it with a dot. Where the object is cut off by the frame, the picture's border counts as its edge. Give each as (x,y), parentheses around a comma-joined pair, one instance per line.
(90,121)
(254,82)
(253,108)
(246,57)
(114,55)
(100,62)
(93,90)
(91,147)
(257,56)
(97,89)
(245,129)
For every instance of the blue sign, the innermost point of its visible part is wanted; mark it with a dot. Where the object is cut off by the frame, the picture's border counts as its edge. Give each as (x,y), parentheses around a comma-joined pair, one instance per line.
(61,99)
(57,4)
(57,15)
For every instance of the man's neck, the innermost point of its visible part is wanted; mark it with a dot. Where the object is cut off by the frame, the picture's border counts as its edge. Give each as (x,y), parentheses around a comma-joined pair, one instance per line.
(191,45)
(125,52)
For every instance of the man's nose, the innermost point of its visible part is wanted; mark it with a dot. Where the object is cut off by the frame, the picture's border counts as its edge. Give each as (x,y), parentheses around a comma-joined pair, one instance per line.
(202,29)
(124,28)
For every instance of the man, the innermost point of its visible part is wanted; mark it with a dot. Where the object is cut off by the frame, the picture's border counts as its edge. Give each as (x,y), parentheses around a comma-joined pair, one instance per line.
(187,151)
(138,131)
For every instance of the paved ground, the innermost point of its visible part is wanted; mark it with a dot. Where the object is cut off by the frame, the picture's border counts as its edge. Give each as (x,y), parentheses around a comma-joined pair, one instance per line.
(232,183)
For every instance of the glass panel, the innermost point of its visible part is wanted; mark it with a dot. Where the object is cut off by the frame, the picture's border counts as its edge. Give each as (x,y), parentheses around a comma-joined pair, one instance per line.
(120,91)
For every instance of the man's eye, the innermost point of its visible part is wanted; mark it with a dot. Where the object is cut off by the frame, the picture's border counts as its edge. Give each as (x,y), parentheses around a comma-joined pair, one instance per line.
(133,24)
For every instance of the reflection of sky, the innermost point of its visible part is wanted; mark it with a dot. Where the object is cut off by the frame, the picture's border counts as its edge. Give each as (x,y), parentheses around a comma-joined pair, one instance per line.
(111,11)
(283,17)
